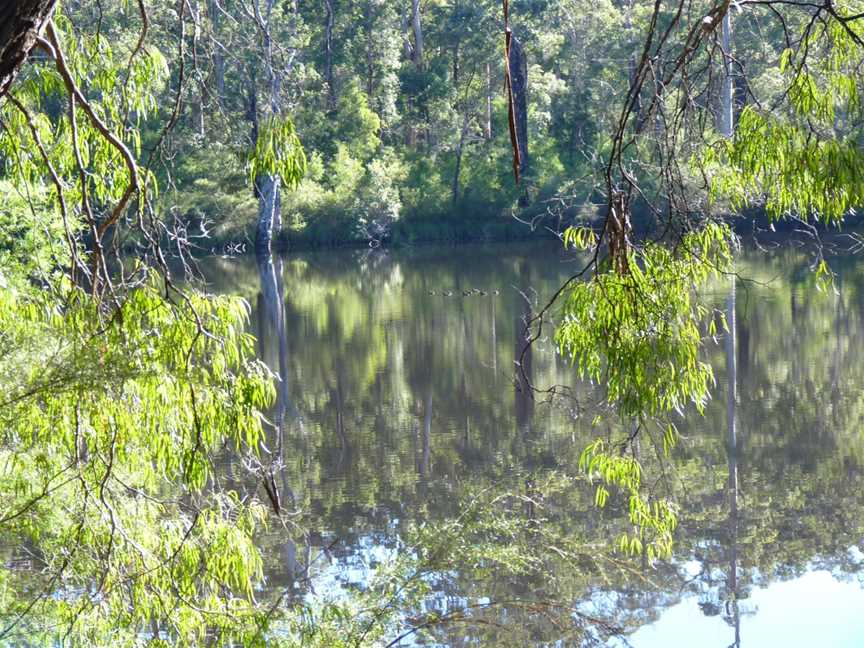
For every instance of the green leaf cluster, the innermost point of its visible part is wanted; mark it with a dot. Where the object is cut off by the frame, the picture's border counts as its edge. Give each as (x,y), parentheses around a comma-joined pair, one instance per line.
(638,333)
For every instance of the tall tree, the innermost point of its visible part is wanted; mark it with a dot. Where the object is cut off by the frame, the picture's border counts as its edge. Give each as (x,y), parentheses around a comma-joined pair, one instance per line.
(417,26)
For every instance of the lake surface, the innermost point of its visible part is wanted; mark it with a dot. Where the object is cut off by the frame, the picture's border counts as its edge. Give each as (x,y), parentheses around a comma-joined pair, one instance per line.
(400,389)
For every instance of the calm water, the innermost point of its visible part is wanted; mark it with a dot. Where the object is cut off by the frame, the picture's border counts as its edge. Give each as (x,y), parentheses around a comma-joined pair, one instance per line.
(400,389)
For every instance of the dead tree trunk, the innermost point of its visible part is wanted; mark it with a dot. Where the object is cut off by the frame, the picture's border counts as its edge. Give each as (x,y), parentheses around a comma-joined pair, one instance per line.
(21,23)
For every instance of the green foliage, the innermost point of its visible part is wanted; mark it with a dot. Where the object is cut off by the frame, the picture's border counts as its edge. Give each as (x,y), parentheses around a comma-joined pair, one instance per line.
(638,333)
(31,243)
(278,152)
(34,143)
(654,520)
(797,173)
(808,162)
(101,418)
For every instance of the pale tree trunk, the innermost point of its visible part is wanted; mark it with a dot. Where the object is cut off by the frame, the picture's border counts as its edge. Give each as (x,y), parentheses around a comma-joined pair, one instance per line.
(269,212)
(488,124)
(456,65)
(418,33)
(328,54)
(218,55)
(20,25)
(726,118)
(407,48)
(460,148)
(267,187)
(631,66)
(370,51)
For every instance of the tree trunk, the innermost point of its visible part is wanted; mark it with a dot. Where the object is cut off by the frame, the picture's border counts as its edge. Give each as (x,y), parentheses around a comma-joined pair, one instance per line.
(488,125)
(267,187)
(252,118)
(370,51)
(328,54)
(631,68)
(269,212)
(456,65)
(218,56)
(20,24)
(418,34)
(459,150)
(407,48)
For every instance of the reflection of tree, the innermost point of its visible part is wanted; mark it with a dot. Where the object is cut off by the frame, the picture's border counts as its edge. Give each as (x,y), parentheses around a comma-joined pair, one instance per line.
(732,610)
(400,375)
(273,336)
(523,360)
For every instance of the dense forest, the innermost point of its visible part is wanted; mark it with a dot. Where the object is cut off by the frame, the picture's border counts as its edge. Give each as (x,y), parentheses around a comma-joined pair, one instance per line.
(402,113)
(511,446)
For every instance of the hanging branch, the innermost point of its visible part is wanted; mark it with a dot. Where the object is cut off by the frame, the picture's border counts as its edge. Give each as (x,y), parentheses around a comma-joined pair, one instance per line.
(508,90)
(77,97)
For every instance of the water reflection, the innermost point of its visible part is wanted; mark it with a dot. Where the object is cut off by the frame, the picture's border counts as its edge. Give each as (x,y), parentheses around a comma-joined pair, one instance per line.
(405,375)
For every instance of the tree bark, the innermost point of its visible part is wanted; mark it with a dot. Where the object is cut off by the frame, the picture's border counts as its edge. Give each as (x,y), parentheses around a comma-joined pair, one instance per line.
(370,51)
(21,24)
(218,56)
(466,122)
(328,54)
(407,47)
(418,34)
(269,212)
(488,124)
(267,187)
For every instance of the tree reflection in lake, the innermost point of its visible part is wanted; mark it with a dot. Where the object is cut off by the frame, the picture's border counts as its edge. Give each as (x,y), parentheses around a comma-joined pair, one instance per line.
(404,372)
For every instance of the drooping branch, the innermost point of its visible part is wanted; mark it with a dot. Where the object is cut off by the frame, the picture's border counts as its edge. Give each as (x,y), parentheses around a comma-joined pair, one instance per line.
(78,98)
(515,88)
